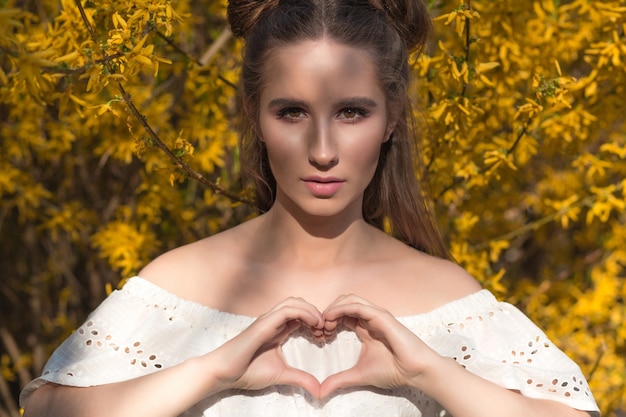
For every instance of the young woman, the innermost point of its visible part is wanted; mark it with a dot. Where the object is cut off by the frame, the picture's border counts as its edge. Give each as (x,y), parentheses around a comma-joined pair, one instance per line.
(310,308)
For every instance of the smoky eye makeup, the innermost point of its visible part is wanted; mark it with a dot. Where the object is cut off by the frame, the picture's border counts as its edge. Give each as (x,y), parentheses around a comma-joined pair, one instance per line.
(351,109)
(290,113)
(352,113)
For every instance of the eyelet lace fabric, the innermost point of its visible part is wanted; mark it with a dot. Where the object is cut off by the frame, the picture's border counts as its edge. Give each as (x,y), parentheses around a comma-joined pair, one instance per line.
(142,328)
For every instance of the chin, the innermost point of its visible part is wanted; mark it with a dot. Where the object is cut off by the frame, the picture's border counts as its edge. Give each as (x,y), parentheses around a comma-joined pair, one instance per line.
(327,208)
(308,206)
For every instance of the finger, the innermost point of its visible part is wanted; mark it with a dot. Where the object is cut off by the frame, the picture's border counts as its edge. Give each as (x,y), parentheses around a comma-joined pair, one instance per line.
(298,303)
(369,321)
(318,334)
(271,328)
(277,319)
(337,316)
(347,299)
(350,322)
(300,378)
(331,325)
(285,330)
(356,309)
(348,378)
(333,317)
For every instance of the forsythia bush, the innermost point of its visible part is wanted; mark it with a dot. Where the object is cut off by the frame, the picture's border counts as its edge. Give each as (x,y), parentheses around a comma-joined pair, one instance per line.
(118,142)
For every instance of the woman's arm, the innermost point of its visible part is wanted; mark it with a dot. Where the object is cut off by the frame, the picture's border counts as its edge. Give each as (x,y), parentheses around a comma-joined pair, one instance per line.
(252,360)
(165,393)
(465,394)
(392,356)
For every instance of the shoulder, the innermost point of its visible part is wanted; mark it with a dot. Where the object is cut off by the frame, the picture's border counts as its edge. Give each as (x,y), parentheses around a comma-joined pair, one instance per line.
(198,270)
(448,277)
(420,282)
(445,280)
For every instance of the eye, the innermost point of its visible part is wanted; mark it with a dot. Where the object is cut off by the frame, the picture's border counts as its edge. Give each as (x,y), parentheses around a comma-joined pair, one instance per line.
(291,113)
(351,113)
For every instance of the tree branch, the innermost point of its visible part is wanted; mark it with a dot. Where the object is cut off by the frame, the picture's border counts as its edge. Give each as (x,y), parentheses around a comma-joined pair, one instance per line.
(468,44)
(215,46)
(178,161)
(14,353)
(587,201)
(512,148)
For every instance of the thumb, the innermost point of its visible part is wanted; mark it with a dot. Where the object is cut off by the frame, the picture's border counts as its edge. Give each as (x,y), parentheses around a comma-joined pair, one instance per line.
(300,378)
(344,379)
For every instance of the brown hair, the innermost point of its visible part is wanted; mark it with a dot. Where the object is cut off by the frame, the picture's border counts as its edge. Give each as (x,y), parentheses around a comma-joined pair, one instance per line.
(388,30)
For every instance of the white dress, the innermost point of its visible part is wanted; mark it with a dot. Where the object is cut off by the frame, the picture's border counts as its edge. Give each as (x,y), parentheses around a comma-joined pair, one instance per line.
(142,328)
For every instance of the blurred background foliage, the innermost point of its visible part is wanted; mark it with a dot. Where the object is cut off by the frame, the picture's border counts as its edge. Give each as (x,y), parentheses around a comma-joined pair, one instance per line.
(118,142)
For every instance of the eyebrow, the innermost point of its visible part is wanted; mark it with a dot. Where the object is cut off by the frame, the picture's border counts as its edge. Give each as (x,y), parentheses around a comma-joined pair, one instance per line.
(286,102)
(357,102)
(350,102)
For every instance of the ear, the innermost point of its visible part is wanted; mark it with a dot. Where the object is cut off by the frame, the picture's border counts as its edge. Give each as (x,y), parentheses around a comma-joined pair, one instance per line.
(389,131)
(394,113)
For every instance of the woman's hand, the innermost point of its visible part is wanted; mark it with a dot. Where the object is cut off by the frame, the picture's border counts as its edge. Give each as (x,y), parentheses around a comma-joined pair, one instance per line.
(251,360)
(391,355)
(254,359)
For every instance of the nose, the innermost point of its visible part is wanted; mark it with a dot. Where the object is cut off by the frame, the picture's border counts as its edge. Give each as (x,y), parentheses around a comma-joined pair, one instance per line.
(322,147)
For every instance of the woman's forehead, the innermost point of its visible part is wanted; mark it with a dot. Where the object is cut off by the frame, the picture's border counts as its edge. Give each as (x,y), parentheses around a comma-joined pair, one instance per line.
(320,68)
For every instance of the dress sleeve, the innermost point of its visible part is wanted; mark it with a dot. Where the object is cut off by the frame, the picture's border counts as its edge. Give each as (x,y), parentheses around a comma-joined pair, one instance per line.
(498,342)
(135,331)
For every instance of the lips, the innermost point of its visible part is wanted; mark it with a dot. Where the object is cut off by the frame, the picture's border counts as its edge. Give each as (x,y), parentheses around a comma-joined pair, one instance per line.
(323,187)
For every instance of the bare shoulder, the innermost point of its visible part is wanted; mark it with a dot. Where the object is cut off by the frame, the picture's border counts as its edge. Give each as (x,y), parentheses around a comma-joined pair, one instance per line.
(197,271)
(448,278)
(422,283)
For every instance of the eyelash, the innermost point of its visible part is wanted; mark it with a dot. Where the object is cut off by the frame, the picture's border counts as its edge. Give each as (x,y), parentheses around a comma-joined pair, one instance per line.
(282,113)
(358,113)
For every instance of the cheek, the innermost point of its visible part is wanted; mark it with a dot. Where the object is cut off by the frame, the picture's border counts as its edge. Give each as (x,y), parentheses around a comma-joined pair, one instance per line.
(363,146)
(281,145)
(367,162)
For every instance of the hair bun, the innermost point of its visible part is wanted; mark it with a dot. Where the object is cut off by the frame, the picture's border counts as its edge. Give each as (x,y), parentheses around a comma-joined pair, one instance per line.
(410,18)
(244,14)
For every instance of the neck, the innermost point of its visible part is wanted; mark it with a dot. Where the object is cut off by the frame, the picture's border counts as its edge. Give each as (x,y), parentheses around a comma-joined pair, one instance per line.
(313,241)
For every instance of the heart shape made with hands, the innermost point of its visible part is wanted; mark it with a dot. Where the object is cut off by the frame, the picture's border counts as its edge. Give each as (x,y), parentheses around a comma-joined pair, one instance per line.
(363,350)
(322,358)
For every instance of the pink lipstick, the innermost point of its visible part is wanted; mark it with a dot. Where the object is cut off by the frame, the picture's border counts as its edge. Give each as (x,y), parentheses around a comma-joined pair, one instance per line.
(323,187)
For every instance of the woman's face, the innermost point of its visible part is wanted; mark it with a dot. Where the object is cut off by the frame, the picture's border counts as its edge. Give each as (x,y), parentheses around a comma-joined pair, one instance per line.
(323,119)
